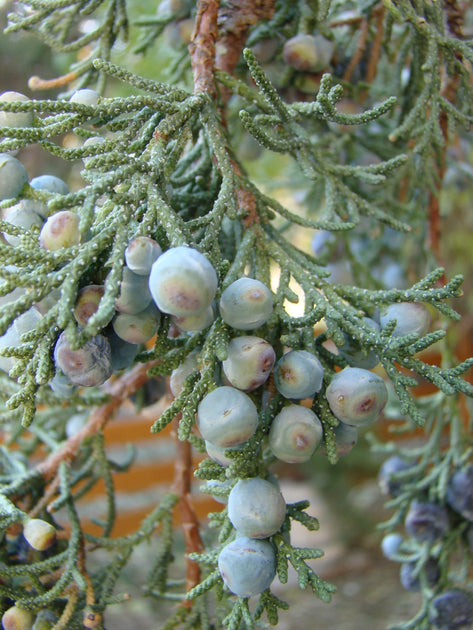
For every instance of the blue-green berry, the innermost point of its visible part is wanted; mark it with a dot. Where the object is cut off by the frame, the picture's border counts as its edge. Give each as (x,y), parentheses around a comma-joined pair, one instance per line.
(390,545)
(298,374)
(141,253)
(249,362)
(23,216)
(134,294)
(182,282)
(295,434)
(354,355)
(197,322)
(227,417)
(217,453)
(247,566)
(51,184)
(356,396)
(137,328)
(13,176)
(85,96)
(256,508)
(246,304)
(15,119)
(411,317)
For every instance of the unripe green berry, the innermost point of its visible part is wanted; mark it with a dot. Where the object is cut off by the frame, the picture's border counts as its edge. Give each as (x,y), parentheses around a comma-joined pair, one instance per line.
(87,303)
(39,534)
(295,434)
(308,53)
(60,230)
(138,328)
(17,619)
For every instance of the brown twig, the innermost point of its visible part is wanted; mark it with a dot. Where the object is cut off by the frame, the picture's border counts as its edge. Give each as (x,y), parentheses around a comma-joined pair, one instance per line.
(202,46)
(36,83)
(376,47)
(454,20)
(119,391)
(234,21)
(190,523)
(359,50)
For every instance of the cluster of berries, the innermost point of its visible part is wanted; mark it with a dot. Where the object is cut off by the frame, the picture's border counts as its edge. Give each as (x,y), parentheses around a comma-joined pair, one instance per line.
(428,525)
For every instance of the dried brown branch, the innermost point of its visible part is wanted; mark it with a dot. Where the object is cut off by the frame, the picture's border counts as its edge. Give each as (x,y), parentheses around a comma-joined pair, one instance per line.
(119,391)
(36,83)
(202,46)
(234,20)
(182,486)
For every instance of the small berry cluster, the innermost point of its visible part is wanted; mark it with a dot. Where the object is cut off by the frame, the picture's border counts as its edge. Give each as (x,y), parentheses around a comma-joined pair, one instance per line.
(429,525)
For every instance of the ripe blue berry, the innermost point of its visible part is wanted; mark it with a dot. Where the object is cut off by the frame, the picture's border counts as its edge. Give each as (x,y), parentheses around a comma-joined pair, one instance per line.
(390,545)
(452,610)
(212,485)
(298,374)
(87,366)
(247,566)
(50,183)
(410,317)
(122,352)
(357,396)
(137,328)
(246,304)
(308,53)
(256,508)
(85,96)
(60,230)
(12,119)
(227,417)
(460,492)
(387,477)
(411,578)
(141,253)
(182,282)
(249,362)
(426,521)
(295,434)
(61,384)
(13,176)
(134,294)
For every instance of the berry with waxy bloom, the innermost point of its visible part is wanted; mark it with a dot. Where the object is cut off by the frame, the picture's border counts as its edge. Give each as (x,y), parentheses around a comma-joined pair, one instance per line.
(295,434)
(246,304)
(256,508)
(247,566)
(356,396)
(298,374)
(249,362)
